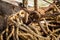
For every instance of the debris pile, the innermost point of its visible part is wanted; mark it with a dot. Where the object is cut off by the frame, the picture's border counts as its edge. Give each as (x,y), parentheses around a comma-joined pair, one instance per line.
(32,25)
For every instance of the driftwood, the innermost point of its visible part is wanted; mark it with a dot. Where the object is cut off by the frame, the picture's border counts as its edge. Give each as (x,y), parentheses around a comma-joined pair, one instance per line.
(28,25)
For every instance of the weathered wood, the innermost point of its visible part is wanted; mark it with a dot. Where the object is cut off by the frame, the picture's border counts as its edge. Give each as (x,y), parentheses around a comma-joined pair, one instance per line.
(25,2)
(7,8)
(35,5)
(2,23)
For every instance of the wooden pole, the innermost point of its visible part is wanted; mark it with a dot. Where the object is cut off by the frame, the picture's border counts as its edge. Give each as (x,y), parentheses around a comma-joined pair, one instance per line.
(35,5)
(25,3)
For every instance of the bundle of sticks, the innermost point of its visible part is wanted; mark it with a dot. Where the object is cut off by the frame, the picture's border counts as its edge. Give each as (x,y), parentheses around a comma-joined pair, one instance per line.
(30,25)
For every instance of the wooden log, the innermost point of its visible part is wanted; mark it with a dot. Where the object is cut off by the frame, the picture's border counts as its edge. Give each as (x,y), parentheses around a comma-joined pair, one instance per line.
(7,8)
(2,23)
(25,2)
(35,5)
